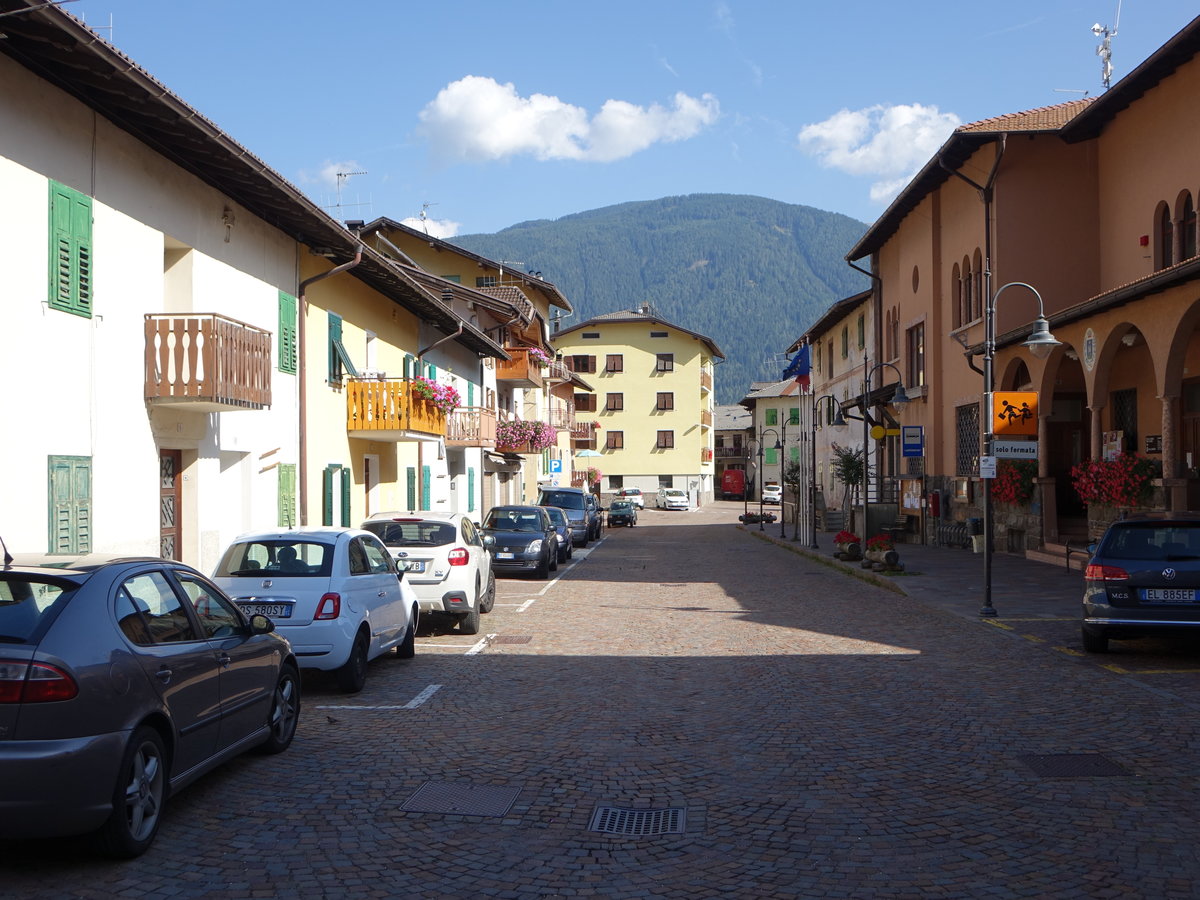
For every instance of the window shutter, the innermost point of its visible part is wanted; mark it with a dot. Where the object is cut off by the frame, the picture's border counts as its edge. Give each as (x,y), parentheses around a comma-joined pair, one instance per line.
(335,338)
(426,485)
(287,495)
(70,250)
(772,417)
(794,416)
(470,489)
(470,393)
(70,504)
(345,498)
(411,475)
(287,333)
(327,494)
(408,365)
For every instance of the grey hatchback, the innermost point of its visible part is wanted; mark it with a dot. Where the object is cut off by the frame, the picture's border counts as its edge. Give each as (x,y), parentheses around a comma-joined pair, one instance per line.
(1143,579)
(121,681)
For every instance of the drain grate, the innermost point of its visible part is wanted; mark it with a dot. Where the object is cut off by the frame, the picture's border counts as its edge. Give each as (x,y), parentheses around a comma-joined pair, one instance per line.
(462,799)
(1073,765)
(512,639)
(638,822)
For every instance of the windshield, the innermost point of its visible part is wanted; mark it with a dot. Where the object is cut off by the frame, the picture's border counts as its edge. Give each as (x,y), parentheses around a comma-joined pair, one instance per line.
(563,499)
(619,505)
(513,520)
(25,602)
(415,533)
(290,558)
(557,516)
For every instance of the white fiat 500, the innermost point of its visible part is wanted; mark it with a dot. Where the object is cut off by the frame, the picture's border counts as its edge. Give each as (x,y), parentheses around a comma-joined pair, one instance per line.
(448,562)
(334,593)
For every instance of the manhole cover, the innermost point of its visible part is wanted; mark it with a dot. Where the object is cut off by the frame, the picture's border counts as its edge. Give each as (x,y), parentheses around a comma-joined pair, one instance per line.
(614,820)
(1073,765)
(512,639)
(462,799)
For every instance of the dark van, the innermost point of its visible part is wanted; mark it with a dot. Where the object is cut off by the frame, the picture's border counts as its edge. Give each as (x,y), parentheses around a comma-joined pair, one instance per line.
(572,501)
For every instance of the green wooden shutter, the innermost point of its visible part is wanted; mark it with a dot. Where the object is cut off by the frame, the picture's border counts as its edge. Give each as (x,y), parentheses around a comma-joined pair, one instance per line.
(327,493)
(470,489)
(470,393)
(409,359)
(771,456)
(287,495)
(412,487)
(287,333)
(335,338)
(794,454)
(431,372)
(345,498)
(70,504)
(794,416)
(772,417)
(426,485)
(70,250)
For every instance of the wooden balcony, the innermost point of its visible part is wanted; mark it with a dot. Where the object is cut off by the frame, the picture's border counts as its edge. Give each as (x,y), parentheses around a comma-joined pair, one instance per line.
(563,418)
(389,409)
(557,372)
(207,363)
(706,454)
(520,371)
(706,418)
(471,426)
(706,381)
(731,452)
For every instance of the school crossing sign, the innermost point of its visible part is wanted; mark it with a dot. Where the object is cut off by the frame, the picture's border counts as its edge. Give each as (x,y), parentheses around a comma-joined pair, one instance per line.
(1015,413)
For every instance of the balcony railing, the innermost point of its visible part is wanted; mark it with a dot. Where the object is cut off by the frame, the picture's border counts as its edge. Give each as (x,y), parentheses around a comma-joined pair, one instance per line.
(731,452)
(706,381)
(706,418)
(389,409)
(556,371)
(207,363)
(520,371)
(563,418)
(471,426)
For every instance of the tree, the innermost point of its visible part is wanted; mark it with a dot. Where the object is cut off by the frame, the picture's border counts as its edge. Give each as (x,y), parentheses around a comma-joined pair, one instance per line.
(847,468)
(793,475)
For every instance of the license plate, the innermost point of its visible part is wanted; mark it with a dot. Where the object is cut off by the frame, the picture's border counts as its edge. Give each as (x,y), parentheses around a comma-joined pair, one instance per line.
(414,565)
(1168,595)
(504,556)
(270,610)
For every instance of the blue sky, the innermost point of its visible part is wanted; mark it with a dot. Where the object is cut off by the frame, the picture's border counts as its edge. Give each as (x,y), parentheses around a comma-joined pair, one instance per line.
(487,114)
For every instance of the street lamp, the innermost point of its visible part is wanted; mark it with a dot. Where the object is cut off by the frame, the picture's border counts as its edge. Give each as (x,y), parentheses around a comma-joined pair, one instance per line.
(838,422)
(782,480)
(762,434)
(899,399)
(1040,343)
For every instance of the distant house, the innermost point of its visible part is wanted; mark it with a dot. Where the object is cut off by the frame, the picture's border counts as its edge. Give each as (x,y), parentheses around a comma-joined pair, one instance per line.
(653,401)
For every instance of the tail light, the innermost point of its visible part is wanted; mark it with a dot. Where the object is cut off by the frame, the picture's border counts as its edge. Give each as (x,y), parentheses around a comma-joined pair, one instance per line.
(26,682)
(459,557)
(330,607)
(1096,572)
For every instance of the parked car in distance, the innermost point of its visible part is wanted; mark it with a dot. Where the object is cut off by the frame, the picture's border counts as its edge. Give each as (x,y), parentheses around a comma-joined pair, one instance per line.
(526,540)
(733,484)
(593,503)
(446,562)
(573,502)
(772,494)
(562,528)
(622,512)
(1143,580)
(116,679)
(672,498)
(334,593)
(633,495)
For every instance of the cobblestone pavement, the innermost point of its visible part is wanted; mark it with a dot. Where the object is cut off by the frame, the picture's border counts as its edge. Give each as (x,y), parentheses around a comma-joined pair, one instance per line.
(809,734)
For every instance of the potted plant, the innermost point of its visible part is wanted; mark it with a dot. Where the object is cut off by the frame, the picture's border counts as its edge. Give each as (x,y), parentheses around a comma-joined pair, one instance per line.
(848,545)
(524,435)
(538,357)
(443,396)
(881,551)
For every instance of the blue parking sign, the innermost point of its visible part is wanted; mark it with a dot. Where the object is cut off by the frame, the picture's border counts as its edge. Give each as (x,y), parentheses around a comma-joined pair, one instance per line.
(556,467)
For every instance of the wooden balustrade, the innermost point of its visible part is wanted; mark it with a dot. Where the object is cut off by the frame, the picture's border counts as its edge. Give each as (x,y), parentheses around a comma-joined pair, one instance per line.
(390,409)
(471,426)
(520,371)
(206,362)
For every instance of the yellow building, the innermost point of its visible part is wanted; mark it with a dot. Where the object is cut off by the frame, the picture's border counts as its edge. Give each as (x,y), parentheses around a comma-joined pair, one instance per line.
(653,402)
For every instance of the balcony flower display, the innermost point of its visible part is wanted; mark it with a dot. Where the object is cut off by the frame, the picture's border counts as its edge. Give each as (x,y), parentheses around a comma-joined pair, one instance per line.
(538,357)
(1014,481)
(1123,481)
(535,435)
(444,396)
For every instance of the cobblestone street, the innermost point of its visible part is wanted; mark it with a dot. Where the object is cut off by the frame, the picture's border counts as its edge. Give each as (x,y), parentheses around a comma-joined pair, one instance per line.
(778,727)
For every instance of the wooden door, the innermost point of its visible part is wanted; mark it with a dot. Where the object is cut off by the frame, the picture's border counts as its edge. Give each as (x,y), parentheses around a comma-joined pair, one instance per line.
(170,503)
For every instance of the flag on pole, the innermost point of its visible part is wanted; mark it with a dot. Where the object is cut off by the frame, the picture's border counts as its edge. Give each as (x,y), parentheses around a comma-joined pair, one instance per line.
(800,367)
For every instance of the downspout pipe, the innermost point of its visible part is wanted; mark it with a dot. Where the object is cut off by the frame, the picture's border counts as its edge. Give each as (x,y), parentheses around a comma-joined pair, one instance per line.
(302,297)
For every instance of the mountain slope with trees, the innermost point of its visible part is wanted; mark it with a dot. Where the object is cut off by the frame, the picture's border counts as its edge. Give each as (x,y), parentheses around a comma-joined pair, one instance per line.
(748,272)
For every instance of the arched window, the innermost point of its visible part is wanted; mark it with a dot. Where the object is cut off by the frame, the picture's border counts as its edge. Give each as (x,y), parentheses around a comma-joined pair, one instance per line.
(956,289)
(1166,237)
(967,285)
(980,300)
(1187,221)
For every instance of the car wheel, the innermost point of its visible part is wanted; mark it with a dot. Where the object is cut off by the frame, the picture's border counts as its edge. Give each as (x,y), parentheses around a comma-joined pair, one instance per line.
(469,624)
(285,712)
(584,542)
(553,555)
(543,569)
(489,596)
(138,798)
(353,675)
(1094,642)
(407,648)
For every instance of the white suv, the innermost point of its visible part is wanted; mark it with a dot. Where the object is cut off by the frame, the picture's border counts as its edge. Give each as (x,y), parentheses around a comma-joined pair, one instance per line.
(672,498)
(772,493)
(448,562)
(334,593)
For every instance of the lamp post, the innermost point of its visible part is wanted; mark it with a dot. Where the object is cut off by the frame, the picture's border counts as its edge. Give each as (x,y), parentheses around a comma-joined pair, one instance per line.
(838,422)
(762,434)
(899,398)
(782,481)
(1040,343)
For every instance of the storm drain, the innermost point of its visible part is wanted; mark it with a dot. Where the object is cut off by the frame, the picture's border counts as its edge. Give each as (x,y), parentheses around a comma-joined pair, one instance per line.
(462,799)
(638,822)
(512,639)
(1073,765)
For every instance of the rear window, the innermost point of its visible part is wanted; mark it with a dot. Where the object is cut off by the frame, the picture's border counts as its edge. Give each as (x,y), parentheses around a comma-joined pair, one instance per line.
(513,520)
(26,602)
(413,534)
(557,516)
(563,499)
(285,557)
(1152,542)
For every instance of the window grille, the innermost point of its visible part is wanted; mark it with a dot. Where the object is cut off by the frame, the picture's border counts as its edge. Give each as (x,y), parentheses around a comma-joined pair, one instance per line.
(966,459)
(1124,417)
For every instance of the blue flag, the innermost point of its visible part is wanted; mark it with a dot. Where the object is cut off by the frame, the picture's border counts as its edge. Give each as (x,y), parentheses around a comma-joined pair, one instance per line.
(800,367)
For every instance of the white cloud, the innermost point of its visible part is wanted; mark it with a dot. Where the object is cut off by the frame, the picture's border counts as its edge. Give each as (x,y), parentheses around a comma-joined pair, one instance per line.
(889,143)
(438,228)
(477,119)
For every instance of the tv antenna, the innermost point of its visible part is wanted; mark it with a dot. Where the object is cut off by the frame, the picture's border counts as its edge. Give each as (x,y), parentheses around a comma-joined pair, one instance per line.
(424,215)
(342,178)
(1104,51)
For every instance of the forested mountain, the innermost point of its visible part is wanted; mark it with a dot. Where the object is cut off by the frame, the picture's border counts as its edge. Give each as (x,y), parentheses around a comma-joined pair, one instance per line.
(750,273)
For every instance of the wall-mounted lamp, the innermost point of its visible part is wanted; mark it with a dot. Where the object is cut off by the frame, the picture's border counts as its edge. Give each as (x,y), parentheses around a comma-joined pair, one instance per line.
(228,220)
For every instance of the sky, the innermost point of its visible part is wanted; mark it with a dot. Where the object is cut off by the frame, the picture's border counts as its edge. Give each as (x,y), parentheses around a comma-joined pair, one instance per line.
(468,116)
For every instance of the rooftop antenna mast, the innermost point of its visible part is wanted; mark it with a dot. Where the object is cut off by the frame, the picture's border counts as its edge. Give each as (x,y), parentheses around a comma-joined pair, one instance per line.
(425,215)
(342,177)
(1104,51)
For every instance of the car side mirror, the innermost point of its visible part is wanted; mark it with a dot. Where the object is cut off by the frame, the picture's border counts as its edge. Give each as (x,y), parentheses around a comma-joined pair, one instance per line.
(260,624)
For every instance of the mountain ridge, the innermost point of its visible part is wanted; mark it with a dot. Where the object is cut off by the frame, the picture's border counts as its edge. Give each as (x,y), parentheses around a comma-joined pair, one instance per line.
(749,272)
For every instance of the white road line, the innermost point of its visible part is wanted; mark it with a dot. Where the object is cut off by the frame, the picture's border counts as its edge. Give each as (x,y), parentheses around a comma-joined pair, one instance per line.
(411,704)
(487,639)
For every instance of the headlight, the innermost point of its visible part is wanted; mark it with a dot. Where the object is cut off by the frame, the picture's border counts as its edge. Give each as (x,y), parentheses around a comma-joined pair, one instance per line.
(534,547)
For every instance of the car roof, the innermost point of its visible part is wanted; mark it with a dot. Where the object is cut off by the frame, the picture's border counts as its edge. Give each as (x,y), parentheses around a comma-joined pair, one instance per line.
(423,515)
(326,533)
(76,564)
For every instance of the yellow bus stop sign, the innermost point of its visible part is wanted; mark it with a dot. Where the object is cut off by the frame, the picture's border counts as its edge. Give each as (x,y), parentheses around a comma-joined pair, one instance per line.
(1015,412)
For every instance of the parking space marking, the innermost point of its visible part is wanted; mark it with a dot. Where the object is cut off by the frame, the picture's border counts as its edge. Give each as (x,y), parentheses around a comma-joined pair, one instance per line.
(411,704)
(480,646)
